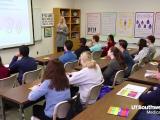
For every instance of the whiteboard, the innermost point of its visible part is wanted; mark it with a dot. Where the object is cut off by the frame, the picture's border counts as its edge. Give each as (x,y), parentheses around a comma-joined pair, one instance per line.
(37,17)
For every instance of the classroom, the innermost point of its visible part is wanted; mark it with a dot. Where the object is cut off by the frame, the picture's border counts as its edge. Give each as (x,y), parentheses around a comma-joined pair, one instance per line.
(79,59)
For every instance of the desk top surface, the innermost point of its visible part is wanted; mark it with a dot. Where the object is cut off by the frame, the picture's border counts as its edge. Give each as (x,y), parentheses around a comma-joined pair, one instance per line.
(98,111)
(19,94)
(138,76)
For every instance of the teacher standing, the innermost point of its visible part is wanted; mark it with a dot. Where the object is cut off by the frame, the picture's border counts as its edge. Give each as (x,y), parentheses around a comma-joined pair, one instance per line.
(62,32)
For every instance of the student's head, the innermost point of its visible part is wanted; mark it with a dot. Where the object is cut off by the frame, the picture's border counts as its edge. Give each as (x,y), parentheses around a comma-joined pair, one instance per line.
(24,50)
(95,38)
(150,39)
(110,38)
(158,67)
(55,72)
(123,44)
(115,53)
(68,45)
(83,41)
(86,60)
(1,64)
(142,43)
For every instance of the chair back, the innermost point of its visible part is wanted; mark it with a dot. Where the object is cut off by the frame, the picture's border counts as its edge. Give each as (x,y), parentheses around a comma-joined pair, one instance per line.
(31,76)
(61,109)
(94,93)
(142,62)
(135,67)
(70,65)
(8,82)
(119,78)
(96,55)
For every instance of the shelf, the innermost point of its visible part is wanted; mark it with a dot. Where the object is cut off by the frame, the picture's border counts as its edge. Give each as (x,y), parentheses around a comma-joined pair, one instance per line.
(75,31)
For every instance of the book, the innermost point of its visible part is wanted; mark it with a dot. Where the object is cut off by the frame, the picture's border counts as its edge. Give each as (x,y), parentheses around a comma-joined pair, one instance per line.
(131,91)
(118,111)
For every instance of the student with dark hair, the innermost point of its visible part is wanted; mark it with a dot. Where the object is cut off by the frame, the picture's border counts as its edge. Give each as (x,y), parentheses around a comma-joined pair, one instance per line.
(55,88)
(68,55)
(4,72)
(117,63)
(110,43)
(24,64)
(143,50)
(127,57)
(82,48)
(152,49)
(96,46)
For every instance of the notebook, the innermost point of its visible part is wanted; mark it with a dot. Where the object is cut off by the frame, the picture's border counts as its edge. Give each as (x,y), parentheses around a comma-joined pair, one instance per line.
(118,111)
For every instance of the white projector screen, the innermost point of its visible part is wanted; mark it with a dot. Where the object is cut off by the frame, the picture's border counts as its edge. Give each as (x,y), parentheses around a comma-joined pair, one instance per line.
(15,23)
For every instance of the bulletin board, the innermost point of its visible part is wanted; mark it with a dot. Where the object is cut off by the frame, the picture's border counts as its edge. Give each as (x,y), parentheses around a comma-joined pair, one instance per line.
(144,22)
(93,23)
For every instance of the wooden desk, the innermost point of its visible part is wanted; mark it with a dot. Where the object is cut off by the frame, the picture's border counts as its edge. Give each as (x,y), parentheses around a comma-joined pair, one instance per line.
(43,60)
(132,51)
(98,111)
(102,62)
(139,77)
(19,96)
(157,59)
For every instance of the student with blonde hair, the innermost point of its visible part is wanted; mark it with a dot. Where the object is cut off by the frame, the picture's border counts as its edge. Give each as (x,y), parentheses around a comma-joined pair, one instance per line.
(62,32)
(88,76)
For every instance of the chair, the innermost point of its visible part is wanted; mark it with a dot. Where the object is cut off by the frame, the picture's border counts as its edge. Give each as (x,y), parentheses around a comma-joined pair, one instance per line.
(96,55)
(142,62)
(30,76)
(61,109)
(135,67)
(70,65)
(94,93)
(8,82)
(119,78)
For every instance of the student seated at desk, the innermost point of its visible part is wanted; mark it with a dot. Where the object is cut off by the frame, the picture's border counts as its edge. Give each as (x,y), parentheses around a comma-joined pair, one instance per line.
(55,88)
(88,76)
(4,72)
(23,65)
(82,48)
(110,43)
(143,50)
(117,63)
(152,49)
(96,45)
(127,57)
(68,55)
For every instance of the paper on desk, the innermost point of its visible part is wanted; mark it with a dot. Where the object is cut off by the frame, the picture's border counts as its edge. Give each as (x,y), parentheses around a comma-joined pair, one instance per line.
(46,58)
(150,73)
(103,57)
(153,63)
(132,91)
(34,87)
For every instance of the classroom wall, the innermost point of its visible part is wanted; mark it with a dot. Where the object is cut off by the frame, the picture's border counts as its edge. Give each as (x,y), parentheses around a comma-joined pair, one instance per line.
(87,6)
(45,46)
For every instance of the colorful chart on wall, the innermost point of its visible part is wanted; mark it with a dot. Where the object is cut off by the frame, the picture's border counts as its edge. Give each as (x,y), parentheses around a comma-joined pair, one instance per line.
(143,24)
(93,23)
(157,25)
(125,24)
(108,23)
